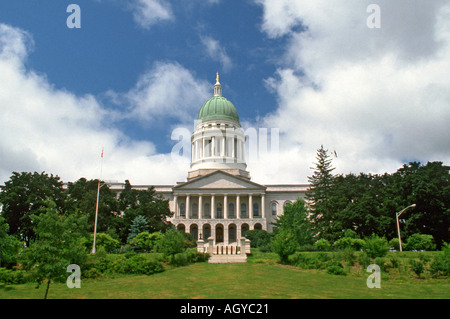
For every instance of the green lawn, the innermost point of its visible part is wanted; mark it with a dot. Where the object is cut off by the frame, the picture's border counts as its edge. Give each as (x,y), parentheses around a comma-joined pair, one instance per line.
(236,281)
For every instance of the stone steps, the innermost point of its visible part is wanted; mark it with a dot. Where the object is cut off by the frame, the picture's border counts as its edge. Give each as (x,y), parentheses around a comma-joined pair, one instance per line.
(222,259)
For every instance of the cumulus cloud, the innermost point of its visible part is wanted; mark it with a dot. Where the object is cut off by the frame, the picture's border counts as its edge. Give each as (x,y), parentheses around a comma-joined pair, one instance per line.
(46,129)
(215,51)
(379,97)
(146,13)
(166,91)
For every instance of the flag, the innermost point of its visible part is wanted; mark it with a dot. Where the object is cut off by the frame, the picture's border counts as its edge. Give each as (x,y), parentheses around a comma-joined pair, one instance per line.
(102,153)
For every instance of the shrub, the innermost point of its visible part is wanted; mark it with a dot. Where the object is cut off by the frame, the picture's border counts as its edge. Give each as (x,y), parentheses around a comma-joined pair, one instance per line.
(173,242)
(440,266)
(258,238)
(322,245)
(376,246)
(139,264)
(335,268)
(146,241)
(284,244)
(417,266)
(420,242)
(14,277)
(349,243)
(394,244)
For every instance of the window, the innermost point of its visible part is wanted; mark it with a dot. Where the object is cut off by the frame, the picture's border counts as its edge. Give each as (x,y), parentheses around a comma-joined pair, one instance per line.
(255,210)
(219,212)
(231,212)
(243,210)
(183,210)
(274,209)
(194,210)
(288,202)
(207,211)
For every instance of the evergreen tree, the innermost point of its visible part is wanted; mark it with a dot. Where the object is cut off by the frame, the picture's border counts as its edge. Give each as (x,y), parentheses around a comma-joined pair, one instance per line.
(138,226)
(318,193)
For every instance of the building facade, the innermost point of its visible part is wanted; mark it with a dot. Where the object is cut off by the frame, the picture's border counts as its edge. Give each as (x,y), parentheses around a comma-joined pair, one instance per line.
(219,201)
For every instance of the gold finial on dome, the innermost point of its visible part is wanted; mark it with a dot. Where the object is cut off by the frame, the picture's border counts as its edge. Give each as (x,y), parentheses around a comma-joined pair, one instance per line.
(217,77)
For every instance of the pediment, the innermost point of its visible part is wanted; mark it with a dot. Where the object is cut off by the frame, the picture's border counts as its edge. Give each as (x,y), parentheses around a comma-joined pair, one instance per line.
(219,180)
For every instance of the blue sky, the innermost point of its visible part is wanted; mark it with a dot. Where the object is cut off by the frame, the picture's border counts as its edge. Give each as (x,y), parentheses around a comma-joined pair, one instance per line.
(138,69)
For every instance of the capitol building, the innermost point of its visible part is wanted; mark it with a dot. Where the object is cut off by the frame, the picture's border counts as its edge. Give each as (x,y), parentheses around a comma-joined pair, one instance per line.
(219,200)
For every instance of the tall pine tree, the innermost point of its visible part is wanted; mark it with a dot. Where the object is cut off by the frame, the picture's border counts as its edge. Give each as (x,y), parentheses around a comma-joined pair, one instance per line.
(318,193)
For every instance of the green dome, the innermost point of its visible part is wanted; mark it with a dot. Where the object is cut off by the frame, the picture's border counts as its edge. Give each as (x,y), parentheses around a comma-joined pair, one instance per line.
(218,108)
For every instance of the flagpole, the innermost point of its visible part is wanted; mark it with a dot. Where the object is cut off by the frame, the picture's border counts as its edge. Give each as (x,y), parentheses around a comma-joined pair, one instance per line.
(96,206)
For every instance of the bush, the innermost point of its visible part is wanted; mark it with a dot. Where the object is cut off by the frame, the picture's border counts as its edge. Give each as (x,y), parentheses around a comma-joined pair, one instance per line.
(335,268)
(322,245)
(417,266)
(420,242)
(440,266)
(14,277)
(394,243)
(284,244)
(146,241)
(349,243)
(376,246)
(139,264)
(172,243)
(258,238)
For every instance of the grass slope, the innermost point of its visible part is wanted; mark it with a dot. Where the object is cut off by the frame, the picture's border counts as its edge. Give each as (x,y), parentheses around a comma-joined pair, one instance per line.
(235,281)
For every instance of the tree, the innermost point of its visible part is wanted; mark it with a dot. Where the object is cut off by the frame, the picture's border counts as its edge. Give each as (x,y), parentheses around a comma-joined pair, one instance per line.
(82,196)
(284,244)
(9,244)
(138,226)
(318,193)
(23,195)
(295,221)
(59,242)
(133,203)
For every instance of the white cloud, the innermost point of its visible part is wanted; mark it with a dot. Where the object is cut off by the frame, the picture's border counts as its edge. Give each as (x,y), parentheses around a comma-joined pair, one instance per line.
(149,12)
(216,52)
(167,90)
(379,97)
(45,129)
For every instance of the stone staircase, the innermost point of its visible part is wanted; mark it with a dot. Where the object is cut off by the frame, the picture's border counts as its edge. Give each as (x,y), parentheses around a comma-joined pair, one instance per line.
(221,253)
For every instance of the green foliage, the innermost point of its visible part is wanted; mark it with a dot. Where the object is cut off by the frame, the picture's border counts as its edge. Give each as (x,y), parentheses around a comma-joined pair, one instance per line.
(172,243)
(23,195)
(284,244)
(9,245)
(107,242)
(349,243)
(147,242)
(420,242)
(294,220)
(259,238)
(376,246)
(417,266)
(322,245)
(394,243)
(14,277)
(440,266)
(335,268)
(139,225)
(59,243)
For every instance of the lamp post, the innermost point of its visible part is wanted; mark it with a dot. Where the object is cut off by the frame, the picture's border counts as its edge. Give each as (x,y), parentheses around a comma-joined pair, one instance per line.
(397,215)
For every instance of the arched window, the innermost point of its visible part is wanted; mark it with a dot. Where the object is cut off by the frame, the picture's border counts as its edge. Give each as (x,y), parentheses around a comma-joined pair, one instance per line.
(255,210)
(244,210)
(288,202)
(183,210)
(274,209)
(231,212)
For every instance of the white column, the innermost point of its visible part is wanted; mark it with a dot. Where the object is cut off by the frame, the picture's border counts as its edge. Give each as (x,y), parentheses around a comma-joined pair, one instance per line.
(263,206)
(175,204)
(213,211)
(200,208)
(188,210)
(225,206)
(238,207)
(250,206)
(203,147)
(213,146)
(222,151)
